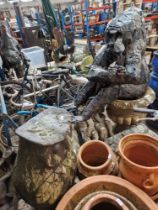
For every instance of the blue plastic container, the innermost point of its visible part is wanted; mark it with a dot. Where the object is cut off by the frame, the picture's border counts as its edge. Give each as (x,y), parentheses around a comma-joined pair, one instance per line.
(155,62)
(150,123)
(80,35)
(2,74)
(101,29)
(103,16)
(153,83)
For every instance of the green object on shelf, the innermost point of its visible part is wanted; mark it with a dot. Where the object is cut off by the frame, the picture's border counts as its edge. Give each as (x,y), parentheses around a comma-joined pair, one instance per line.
(87,61)
(50,15)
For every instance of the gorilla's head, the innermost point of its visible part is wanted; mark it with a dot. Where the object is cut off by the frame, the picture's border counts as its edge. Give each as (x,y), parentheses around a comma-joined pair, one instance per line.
(120,32)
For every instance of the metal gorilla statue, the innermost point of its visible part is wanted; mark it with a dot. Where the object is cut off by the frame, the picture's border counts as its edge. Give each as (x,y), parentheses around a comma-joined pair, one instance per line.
(119,70)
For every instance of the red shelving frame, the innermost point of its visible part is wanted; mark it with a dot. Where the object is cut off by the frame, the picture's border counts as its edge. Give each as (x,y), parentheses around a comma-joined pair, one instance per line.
(97,8)
(149,1)
(83,22)
(151,17)
(90,24)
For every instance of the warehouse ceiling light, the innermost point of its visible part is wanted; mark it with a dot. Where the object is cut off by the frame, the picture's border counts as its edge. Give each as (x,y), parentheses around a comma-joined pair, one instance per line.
(12,1)
(26,0)
(63,1)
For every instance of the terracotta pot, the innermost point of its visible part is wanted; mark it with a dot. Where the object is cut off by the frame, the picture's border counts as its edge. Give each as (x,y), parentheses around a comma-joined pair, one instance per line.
(92,195)
(139,161)
(121,111)
(96,157)
(108,183)
(104,201)
(46,163)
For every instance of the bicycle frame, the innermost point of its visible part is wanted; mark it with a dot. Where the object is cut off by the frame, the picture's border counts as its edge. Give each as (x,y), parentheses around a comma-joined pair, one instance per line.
(7,120)
(34,112)
(41,91)
(59,87)
(43,106)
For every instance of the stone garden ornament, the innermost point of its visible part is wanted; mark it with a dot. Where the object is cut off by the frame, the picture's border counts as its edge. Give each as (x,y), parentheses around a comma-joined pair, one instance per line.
(46,162)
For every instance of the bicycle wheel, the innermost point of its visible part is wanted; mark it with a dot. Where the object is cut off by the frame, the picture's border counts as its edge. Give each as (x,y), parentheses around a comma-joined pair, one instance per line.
(15,90)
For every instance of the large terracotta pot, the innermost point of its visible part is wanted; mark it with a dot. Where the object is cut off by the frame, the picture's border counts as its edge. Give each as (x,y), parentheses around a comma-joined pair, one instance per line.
(109,184)
(95,158)
(139,161)
(105,201)
(46,162)
(121,111)
(93,196)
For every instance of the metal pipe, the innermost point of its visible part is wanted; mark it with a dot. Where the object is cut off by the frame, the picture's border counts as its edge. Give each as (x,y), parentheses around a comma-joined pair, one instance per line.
(3,106)
(41,91)
(144,110)
(4,118)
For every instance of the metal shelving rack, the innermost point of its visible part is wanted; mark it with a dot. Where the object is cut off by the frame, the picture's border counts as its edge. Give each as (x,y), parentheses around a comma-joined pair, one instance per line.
(85,23)
(152,17)
(139,4)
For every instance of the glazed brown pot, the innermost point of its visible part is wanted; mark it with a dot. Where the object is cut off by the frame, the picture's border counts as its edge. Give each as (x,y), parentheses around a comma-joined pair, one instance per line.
(104,201)
(95,158)
(139,161)
(109,184)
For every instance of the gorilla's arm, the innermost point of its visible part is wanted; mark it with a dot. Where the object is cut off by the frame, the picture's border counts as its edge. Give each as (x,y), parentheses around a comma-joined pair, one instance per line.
(130,74)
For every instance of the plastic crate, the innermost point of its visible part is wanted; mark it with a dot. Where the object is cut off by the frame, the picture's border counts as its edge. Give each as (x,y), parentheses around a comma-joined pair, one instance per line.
(80,35)
(36,56)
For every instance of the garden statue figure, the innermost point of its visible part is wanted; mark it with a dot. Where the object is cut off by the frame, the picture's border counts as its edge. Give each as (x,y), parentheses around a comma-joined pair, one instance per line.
(119,70)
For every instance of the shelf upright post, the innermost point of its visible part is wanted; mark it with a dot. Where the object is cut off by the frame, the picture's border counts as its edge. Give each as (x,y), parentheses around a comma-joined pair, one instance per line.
(114,3)
(59,17)
(63,25)
(71,17)
(20,22)
(62,21)
(81,3)
(87,27)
